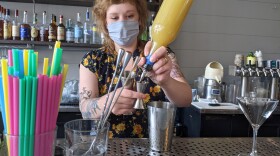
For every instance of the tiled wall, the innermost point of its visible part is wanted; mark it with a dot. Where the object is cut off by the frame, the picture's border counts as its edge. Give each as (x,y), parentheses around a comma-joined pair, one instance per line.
(214,30)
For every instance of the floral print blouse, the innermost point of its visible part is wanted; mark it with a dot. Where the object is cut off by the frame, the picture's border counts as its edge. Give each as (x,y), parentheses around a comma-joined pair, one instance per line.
(102,63)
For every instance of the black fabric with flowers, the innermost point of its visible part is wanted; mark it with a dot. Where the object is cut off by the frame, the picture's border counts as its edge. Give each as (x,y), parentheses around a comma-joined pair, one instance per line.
(102,63)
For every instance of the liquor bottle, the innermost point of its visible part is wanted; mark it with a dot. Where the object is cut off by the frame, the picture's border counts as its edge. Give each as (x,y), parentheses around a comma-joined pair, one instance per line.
(15,27)
(44,29)
(25,28)
(52,29)
(78,30)
(61,30)
(96,36)
(69,32)
(166,26)
(87,29)
(34,29)
(7,26)
(150,25)
(1,22)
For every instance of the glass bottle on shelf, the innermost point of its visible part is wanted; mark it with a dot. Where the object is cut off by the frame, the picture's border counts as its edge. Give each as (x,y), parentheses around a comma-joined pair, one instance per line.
(7,26)
(15,27)
(1,22)
(44,29)
(61,30)
(78,30)
(69,31)
(87,29)
(25,28)
(96,36)
(52,29)
(34,29)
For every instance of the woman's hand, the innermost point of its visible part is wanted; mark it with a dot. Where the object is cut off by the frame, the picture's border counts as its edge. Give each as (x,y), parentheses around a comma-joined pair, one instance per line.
(160,74)
(125,103)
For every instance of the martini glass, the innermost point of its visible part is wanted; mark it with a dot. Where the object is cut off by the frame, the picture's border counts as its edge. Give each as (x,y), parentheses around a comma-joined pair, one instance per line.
(257,107)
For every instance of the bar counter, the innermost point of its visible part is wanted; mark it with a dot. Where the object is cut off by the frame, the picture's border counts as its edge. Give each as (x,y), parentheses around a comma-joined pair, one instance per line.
(195,147)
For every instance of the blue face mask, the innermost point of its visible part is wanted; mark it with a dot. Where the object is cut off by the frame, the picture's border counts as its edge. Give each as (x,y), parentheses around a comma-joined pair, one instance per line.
(123,32)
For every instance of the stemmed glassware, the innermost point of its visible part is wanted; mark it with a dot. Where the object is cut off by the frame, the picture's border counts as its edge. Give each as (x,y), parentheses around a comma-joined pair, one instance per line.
(257,107)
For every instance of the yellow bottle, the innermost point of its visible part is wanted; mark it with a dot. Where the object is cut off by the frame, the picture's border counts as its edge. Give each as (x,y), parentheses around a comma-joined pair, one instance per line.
(166,25)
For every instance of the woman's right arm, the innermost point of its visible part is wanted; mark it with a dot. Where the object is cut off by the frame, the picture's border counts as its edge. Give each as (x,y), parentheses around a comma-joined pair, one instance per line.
(91,105)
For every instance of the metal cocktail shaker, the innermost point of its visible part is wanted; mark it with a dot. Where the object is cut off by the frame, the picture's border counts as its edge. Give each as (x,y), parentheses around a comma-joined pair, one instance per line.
(161,116)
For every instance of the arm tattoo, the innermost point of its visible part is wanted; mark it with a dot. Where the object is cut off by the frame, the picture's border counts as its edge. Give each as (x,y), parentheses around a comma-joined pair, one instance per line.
(91,105)
(175,71)
(85,94)
(91,109)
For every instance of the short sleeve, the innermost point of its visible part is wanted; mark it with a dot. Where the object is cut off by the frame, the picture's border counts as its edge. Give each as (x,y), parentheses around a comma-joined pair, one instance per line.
(90,60)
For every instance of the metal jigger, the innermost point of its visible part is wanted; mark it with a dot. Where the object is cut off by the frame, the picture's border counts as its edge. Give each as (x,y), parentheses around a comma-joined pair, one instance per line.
(140,87)
(130,81)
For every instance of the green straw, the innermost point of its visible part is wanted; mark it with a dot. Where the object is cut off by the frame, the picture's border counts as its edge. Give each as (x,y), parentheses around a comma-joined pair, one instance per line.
(49,71)
(34,65)
(21,114)
(11,71)
(57,61)
(30,63)
(16,60)
(33,114)
(27,115)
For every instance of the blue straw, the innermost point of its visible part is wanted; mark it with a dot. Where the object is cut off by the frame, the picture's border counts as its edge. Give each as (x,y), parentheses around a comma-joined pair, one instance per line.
(2,107)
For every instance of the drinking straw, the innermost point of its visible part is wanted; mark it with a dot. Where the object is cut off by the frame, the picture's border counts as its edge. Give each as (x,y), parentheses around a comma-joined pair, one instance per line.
(22,86)
(54,57)
(57,99)
(56,62)
(49,100)
(45,66)
(12,111)
(30,63)
(38,131)
(21,64)
(44,102)
(36,63)
(11,103)
(16,61)
(16,112)
(10,70)
(27,114)
(25,61)
(4,64)
(49,71)
(33,113)
(53,104)
(10,58)
(2,105)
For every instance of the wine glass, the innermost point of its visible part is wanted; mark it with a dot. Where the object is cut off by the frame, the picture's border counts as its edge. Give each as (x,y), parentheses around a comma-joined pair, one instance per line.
(257,107)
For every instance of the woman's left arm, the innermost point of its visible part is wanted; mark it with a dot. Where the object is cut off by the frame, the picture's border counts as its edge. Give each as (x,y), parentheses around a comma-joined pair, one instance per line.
(176,87)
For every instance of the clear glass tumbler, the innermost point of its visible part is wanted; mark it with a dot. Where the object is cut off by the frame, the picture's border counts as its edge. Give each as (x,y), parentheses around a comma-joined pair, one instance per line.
(79,135)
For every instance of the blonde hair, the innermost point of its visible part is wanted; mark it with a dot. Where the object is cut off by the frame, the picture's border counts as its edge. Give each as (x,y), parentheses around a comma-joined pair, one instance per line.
(100,9)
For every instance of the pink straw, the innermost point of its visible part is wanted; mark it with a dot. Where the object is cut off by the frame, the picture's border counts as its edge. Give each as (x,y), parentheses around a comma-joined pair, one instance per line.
(16,104)
(44,103)
(57,98)
(12,114)
(39,104)
(52,115)
(11,103)
(16,112)
(38,138)
(49,100)
(10,58)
